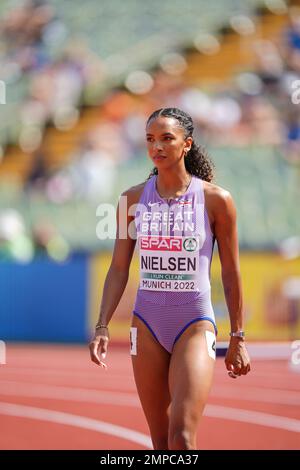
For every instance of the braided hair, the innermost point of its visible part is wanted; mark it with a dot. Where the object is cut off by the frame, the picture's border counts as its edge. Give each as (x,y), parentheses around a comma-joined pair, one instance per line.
(197,161)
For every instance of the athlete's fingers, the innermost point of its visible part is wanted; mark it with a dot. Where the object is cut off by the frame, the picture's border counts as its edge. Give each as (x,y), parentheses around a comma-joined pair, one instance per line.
(231,366)
(94,348)
(230,371)
(237,369)
(232,375)
(103,365)
(102,349)
(233,371)
(103,346)
(245,369)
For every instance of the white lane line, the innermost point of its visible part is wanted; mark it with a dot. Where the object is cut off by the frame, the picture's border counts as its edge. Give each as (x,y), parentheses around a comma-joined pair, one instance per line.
(67,393)
(114,376)
(111,381)
(285,374)
(252,417)
(264,380)
(20,388)
(71,372)
(267,395)
(41,414)
(95,396)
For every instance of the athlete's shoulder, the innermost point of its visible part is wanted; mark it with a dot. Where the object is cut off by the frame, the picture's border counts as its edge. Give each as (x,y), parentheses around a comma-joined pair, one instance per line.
(217,198)
(215,192)
(134,192)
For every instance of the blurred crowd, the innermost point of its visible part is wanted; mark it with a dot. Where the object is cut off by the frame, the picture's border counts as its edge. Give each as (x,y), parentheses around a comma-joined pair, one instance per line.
(259,106)
(38,50)
(255,107)
(22,243)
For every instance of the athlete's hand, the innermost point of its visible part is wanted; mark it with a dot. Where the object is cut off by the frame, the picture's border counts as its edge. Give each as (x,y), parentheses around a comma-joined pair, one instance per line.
(237,359)
(98,347)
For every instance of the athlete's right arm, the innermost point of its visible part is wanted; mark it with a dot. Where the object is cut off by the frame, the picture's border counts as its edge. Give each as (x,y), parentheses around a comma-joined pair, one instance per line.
(117,275)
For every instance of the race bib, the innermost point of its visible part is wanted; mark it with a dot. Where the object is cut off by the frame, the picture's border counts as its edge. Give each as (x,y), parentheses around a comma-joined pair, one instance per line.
(169,263)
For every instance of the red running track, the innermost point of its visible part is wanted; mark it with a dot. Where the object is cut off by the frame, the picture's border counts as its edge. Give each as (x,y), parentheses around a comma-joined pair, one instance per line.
(53,397)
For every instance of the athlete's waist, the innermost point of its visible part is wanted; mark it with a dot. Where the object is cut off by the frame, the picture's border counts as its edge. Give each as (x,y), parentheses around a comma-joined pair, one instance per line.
(173,298)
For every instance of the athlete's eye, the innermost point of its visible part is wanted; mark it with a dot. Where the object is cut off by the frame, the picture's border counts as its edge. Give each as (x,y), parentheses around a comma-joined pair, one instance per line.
(149,139)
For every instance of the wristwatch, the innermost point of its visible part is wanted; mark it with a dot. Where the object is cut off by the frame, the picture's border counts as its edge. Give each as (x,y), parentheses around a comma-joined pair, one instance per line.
(237,334)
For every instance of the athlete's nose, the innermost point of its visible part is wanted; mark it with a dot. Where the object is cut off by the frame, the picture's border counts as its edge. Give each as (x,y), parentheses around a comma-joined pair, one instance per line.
(157,146)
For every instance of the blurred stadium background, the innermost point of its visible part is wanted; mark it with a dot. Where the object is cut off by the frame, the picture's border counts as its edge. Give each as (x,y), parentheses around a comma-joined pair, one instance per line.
(77,84)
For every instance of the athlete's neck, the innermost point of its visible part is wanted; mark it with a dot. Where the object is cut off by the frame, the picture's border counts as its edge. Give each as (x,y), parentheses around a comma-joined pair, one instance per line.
(172,185)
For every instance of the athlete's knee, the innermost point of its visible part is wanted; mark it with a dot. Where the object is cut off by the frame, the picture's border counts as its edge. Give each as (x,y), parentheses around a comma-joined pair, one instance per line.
(181,439)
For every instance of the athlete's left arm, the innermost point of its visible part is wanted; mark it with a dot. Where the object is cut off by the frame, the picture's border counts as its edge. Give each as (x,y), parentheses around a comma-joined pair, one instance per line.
(225,230)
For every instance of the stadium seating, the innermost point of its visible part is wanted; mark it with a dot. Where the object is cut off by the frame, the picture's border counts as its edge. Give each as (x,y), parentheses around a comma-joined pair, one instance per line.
(263,184)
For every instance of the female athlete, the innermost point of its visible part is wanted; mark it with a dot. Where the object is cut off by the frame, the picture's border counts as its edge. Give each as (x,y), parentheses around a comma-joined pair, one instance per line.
(174,218)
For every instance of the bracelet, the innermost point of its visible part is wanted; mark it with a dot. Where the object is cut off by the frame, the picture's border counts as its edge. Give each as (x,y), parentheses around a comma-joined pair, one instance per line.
(97,327)
(238,334)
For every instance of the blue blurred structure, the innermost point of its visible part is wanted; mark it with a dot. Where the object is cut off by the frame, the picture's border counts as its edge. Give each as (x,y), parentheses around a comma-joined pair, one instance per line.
(44,301)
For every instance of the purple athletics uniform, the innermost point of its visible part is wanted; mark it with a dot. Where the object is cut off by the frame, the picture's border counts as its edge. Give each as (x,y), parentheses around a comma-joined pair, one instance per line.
(175,245)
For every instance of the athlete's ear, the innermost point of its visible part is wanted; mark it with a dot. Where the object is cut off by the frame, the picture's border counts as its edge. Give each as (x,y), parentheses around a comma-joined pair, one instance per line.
(188,144)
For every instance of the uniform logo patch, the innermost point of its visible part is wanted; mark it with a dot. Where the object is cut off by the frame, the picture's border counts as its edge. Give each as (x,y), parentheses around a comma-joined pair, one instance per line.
(150,204)
(188,202)
(190,244)
(161,243)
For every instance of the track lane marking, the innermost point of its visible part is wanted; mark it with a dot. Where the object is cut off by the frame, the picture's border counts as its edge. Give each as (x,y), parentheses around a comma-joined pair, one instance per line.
(58,417)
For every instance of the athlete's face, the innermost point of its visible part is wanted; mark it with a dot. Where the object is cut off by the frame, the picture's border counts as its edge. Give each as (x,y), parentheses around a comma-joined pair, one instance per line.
(165,141)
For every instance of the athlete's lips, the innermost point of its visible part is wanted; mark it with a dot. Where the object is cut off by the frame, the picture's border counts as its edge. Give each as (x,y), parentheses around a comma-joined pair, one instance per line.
(159,157)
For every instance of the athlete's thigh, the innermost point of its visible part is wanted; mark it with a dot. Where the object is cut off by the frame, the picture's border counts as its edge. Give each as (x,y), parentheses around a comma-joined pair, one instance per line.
(190,375)
(150,367)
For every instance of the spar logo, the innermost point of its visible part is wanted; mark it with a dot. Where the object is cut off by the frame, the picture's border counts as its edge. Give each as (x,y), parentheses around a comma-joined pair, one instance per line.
(161,243)
(190,244)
